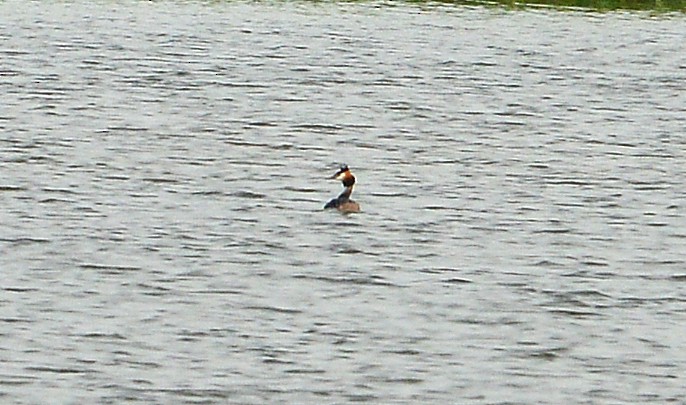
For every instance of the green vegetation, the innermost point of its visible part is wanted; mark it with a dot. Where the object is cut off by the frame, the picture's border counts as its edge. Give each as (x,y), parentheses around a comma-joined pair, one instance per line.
(660,6)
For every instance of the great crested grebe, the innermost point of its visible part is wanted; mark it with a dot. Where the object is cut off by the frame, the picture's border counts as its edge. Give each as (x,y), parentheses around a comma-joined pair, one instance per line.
(343,203)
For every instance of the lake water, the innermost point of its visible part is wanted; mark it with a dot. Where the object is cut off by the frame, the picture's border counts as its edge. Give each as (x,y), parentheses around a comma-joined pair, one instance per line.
(164,166)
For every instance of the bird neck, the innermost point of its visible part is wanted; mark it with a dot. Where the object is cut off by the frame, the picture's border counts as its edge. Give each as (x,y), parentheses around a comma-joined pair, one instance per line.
(346,192)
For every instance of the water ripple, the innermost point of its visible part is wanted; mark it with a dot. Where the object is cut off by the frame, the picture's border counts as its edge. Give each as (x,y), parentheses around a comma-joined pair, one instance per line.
(165,166)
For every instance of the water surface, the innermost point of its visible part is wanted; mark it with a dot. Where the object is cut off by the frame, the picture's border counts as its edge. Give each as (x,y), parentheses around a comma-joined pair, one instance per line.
(164,165)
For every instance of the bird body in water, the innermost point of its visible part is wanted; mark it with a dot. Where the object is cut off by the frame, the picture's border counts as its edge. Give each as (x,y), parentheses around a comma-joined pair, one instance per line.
(343,203)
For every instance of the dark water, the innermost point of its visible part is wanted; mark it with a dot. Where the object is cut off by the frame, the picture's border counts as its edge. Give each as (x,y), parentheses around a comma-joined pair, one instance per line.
(521,175)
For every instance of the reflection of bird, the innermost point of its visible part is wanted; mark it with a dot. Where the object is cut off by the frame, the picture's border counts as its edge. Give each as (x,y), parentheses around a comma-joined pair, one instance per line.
(343,203)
